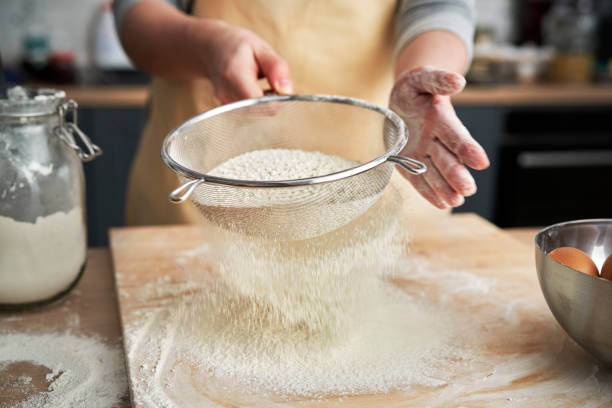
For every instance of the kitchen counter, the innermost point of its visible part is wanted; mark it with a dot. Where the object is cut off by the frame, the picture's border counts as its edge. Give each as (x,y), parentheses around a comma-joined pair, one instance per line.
(91,310)
(102,96)
(541,94)
(497,95)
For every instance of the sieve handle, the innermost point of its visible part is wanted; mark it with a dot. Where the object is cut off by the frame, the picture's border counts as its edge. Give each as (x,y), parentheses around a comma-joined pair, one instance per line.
(183,192)
(410,165)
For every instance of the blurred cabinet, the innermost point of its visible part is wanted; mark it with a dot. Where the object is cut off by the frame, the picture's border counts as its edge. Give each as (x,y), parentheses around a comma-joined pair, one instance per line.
(116,131)
(555,165)
(548,163)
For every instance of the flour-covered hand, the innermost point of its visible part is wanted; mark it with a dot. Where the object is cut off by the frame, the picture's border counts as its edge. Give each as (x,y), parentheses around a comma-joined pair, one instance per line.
(436,136)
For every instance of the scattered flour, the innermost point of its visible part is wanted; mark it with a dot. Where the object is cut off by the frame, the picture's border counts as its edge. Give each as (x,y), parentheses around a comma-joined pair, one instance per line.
(40,259)
(84,371)
(438,337)
(25,379)
(41,169)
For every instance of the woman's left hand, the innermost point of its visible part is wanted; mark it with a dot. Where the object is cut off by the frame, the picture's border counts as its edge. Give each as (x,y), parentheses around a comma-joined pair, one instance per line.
(436,136)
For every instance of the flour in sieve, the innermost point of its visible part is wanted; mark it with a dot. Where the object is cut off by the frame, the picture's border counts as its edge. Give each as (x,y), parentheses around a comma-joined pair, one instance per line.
(40,259)
(278,165)
(287,213)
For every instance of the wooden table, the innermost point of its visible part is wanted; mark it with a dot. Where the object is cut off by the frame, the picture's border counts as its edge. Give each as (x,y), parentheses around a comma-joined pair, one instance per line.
(91,309)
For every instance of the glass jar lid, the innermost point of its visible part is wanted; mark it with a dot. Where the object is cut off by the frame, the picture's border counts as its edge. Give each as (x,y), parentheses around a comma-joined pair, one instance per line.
(28,102)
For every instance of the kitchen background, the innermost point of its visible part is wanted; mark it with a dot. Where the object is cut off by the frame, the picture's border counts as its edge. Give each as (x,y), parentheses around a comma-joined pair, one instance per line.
(539,99)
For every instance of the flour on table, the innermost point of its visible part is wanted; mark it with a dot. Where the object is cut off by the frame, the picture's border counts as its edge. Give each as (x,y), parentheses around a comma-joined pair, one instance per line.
(84,371)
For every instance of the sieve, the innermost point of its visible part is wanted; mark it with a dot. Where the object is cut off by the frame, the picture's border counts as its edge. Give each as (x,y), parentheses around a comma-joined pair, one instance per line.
(369,136)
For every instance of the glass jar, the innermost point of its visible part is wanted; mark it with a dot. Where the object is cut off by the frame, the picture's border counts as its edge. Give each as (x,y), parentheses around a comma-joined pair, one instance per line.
(43,236)
(569,28)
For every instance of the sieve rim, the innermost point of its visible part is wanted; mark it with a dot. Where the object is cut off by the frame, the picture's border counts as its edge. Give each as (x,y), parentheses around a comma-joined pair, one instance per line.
(326,178)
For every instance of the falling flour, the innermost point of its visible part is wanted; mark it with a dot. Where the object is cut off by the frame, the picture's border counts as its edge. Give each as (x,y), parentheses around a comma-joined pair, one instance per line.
(84,372)
(38,260)
(307,318)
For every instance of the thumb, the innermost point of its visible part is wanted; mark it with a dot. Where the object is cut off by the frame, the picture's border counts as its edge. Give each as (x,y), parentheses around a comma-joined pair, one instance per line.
(435,81)
(275,69)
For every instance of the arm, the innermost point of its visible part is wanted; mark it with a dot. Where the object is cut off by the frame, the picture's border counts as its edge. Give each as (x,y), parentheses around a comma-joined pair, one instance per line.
(438,48)
(169,43)
(427,70)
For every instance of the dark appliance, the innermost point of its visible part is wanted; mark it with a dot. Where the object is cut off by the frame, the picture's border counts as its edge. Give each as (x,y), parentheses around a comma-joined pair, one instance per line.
(555,165)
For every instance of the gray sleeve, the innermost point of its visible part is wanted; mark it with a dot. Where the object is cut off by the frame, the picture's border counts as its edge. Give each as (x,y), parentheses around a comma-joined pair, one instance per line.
(121,7)
(417,16)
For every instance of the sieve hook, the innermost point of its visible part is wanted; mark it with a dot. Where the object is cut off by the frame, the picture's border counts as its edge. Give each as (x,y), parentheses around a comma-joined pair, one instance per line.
(183,192)
(410,165)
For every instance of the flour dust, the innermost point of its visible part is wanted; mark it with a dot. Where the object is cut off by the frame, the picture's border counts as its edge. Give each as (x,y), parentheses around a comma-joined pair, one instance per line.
(82,371)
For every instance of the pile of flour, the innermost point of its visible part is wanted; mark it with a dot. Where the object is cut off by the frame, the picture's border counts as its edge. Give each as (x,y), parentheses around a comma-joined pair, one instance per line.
(40,259)
(84,371)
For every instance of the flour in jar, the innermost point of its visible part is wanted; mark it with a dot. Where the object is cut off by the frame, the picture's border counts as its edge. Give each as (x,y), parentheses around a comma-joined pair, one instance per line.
(38,260)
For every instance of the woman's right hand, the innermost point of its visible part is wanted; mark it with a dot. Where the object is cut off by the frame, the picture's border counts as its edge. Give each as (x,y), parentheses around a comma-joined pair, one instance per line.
(235,59)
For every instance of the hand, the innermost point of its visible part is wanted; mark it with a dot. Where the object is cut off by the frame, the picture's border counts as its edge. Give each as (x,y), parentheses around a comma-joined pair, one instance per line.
(236,58)
(436,136)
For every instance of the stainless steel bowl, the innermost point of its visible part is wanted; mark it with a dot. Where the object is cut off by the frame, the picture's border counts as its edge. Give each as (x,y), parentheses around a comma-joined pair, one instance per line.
(582,304)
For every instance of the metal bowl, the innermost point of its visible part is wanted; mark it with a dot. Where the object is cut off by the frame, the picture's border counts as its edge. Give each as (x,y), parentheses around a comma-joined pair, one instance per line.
(582,304)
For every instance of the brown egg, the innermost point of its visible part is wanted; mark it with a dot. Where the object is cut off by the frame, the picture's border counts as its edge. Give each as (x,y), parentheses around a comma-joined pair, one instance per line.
(575,259)
(606,269)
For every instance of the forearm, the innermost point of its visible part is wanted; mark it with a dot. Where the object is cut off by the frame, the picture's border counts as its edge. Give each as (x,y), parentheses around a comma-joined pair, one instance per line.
(437,48)
(164,41)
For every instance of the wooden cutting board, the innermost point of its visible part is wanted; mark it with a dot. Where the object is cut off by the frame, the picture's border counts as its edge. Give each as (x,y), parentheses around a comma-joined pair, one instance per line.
(519,356)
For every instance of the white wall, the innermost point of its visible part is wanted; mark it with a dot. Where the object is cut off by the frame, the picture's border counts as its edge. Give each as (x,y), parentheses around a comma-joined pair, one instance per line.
(497,14)
(66,21)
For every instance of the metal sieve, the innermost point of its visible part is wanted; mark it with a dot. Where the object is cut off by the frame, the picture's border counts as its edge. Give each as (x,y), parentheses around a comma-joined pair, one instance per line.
(366,134)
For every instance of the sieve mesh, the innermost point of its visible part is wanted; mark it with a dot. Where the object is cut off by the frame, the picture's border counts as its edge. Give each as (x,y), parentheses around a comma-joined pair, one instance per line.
(357,131)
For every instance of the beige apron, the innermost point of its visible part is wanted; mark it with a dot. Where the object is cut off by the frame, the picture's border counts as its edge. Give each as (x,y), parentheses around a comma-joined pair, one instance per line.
(341,47)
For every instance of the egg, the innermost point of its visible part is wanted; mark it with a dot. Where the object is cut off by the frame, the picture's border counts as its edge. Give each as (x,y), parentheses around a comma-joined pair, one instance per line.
(576,259)
(606,269)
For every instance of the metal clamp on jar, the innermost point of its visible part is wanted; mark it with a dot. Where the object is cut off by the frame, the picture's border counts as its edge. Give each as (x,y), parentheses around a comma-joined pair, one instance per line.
(43,236)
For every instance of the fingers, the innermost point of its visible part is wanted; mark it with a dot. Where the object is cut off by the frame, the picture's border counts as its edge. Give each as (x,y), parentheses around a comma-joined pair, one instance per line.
(452,170)
(420,184)
(275,69)
(458,140)
(435,81)
(434,188)
(239,78)
(440,186)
